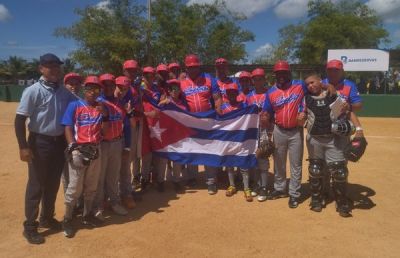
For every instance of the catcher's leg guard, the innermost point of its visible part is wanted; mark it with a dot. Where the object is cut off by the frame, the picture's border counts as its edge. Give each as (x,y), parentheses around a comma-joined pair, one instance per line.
(316,174)
(339,174)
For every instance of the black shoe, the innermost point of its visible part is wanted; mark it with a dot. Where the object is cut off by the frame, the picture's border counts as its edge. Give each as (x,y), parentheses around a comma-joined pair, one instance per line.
(69,230)
(178,188)
(344,210)
(191,183)
(51,223)
(293,203)
(91,221)
(276,195)
(212,189)
(160,187)
(33,237)
(316,204)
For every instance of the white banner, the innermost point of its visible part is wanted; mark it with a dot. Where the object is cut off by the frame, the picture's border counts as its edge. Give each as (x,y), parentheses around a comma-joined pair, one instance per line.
(361,59)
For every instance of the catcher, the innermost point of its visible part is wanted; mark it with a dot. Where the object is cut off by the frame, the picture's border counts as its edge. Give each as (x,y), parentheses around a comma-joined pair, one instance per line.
(329,125)
(83,121)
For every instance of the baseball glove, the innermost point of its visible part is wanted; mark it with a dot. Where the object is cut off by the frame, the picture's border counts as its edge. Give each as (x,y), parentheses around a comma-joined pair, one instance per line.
(265,149)
(88,152)
(355,149)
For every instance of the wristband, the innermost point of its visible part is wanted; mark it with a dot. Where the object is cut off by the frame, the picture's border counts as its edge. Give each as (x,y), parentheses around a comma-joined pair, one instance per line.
(359,128)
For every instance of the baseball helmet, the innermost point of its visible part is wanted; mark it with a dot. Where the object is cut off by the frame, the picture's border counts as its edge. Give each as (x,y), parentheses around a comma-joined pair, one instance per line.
(221,61)
(245,74)
(149,69)
(69,76)
(123,81)
(91,79)
(334,64)
(106,77)
(131,64)
(162,68)
(258,72)
(192,60)
(174,65)
(343,127)
(281,65)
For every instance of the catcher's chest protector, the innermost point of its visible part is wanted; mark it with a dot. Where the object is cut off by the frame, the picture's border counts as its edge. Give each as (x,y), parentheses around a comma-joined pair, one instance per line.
(319,121)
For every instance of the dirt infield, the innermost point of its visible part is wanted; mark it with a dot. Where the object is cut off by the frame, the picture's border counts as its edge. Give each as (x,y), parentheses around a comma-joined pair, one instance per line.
(195,224)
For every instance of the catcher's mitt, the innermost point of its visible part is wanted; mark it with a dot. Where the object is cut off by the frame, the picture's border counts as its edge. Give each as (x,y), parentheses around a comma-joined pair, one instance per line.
(88,152)
(355,149)
(265,149)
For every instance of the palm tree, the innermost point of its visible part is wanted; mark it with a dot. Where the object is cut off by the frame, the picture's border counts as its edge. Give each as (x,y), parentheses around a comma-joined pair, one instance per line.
(15,68)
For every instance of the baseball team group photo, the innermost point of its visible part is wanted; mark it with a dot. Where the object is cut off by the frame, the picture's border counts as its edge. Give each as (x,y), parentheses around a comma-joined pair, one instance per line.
(167,132)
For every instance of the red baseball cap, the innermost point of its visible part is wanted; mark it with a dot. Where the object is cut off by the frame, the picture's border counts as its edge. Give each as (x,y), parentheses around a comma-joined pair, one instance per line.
(281,65)
(192,60)
(221,61)
(131,64)
(162,68)
(69,76)
(258,72)
(244,74)
(123,81)
(148,69)
(91,79)
(334,64)
(106,77)
(172,65)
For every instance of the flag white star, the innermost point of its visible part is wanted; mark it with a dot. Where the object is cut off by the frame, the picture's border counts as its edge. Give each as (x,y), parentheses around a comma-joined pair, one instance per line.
(156,131)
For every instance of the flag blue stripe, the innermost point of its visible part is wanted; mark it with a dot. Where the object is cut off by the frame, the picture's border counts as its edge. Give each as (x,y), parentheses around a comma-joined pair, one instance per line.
(249,161)
(224,135)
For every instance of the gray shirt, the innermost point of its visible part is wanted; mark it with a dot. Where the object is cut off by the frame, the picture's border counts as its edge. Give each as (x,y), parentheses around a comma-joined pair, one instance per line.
(45,107)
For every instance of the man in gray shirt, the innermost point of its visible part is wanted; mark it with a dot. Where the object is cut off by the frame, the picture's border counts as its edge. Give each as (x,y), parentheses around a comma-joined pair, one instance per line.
(44,103)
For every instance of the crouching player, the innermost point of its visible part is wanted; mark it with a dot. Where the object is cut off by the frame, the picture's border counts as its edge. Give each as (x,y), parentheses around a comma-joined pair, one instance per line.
(83,121)
(232,94)
(325,146)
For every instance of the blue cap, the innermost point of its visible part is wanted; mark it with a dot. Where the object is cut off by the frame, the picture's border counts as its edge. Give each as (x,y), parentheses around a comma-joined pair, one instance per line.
(49,58)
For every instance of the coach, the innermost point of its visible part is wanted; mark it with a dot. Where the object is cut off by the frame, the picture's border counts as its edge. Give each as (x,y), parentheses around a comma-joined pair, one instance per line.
(44,104)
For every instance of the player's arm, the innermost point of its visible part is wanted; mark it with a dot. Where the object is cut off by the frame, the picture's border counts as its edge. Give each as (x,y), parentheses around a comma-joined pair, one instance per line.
(357,124)
(69,134)
(218,102)
(355,99)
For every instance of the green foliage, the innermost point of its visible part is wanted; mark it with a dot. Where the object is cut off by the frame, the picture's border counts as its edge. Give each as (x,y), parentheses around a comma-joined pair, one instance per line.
(106,37)
(346,24)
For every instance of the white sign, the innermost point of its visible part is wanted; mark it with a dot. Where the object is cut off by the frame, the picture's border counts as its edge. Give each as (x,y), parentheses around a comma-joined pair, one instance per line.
(361,59)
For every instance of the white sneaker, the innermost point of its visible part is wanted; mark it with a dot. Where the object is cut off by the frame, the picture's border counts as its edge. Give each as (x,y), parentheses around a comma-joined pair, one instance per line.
(99,215)
(254,192)
(119,210)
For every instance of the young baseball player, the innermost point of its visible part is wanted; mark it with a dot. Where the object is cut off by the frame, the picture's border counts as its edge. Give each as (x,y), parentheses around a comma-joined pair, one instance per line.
(111,148)
(127,97)
(175,97)
(232,94)
(325,148)
(83,131)
(257,97)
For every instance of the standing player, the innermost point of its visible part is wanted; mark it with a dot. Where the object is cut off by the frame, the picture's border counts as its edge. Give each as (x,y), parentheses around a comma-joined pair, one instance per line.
(257,97)
(131,153)
(324,147)
(44,103)
(201,93)
(111,148)
(174,71)
(223,80)
(282,103)
(232,94)
(83,125)
(245,82)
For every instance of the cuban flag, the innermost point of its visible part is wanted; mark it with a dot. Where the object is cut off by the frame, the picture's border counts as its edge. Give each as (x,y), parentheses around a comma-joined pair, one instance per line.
(204,138)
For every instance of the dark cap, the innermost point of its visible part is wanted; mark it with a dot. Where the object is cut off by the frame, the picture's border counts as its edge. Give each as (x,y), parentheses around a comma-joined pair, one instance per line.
(49,59)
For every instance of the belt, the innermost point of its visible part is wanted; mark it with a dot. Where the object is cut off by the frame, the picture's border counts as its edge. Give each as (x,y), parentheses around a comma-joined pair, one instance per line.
(48,137)
(114,139)
(287,129)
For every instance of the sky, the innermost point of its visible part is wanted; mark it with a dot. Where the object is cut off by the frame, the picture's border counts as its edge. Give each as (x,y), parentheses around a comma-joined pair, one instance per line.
(27,26)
